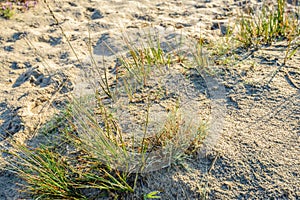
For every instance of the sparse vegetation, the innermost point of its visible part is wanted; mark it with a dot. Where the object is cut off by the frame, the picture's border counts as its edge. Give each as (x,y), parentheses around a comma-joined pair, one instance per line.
(256,29)
(107,154)
(105,140)
(267,25)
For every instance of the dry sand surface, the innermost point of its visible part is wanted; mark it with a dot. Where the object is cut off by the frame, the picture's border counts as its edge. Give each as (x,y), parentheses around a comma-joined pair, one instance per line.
(256,157)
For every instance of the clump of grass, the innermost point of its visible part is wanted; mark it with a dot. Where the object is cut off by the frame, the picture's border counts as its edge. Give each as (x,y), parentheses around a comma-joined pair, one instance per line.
(142,58)
(46,173)
(107,157)
(267,26)
(8,8)
(253,30)
(138,85)
(53,172)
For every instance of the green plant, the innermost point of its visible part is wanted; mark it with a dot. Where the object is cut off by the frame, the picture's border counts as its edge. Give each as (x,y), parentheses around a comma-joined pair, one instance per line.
(7,13)
(143,59)
(152,195)
(46,173)
(9,7)
(267,26)
(50,172)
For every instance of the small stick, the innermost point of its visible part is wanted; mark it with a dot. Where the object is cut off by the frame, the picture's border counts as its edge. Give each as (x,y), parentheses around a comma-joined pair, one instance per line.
(213,163)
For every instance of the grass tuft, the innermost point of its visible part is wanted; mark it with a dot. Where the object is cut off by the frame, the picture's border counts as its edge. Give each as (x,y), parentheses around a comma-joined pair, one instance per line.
(268,25)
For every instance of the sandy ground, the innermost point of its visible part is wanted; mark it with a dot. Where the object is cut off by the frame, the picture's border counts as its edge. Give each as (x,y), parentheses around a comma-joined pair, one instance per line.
(258,153)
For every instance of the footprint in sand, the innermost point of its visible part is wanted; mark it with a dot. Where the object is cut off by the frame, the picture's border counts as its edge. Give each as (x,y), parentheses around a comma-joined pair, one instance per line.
(10,121)
(34,76)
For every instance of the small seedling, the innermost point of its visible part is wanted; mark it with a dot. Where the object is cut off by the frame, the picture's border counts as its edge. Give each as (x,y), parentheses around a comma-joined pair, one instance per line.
(9,7)
(152,195)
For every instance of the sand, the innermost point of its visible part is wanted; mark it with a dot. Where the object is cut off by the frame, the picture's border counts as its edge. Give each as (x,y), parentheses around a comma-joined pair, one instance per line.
(257,155)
